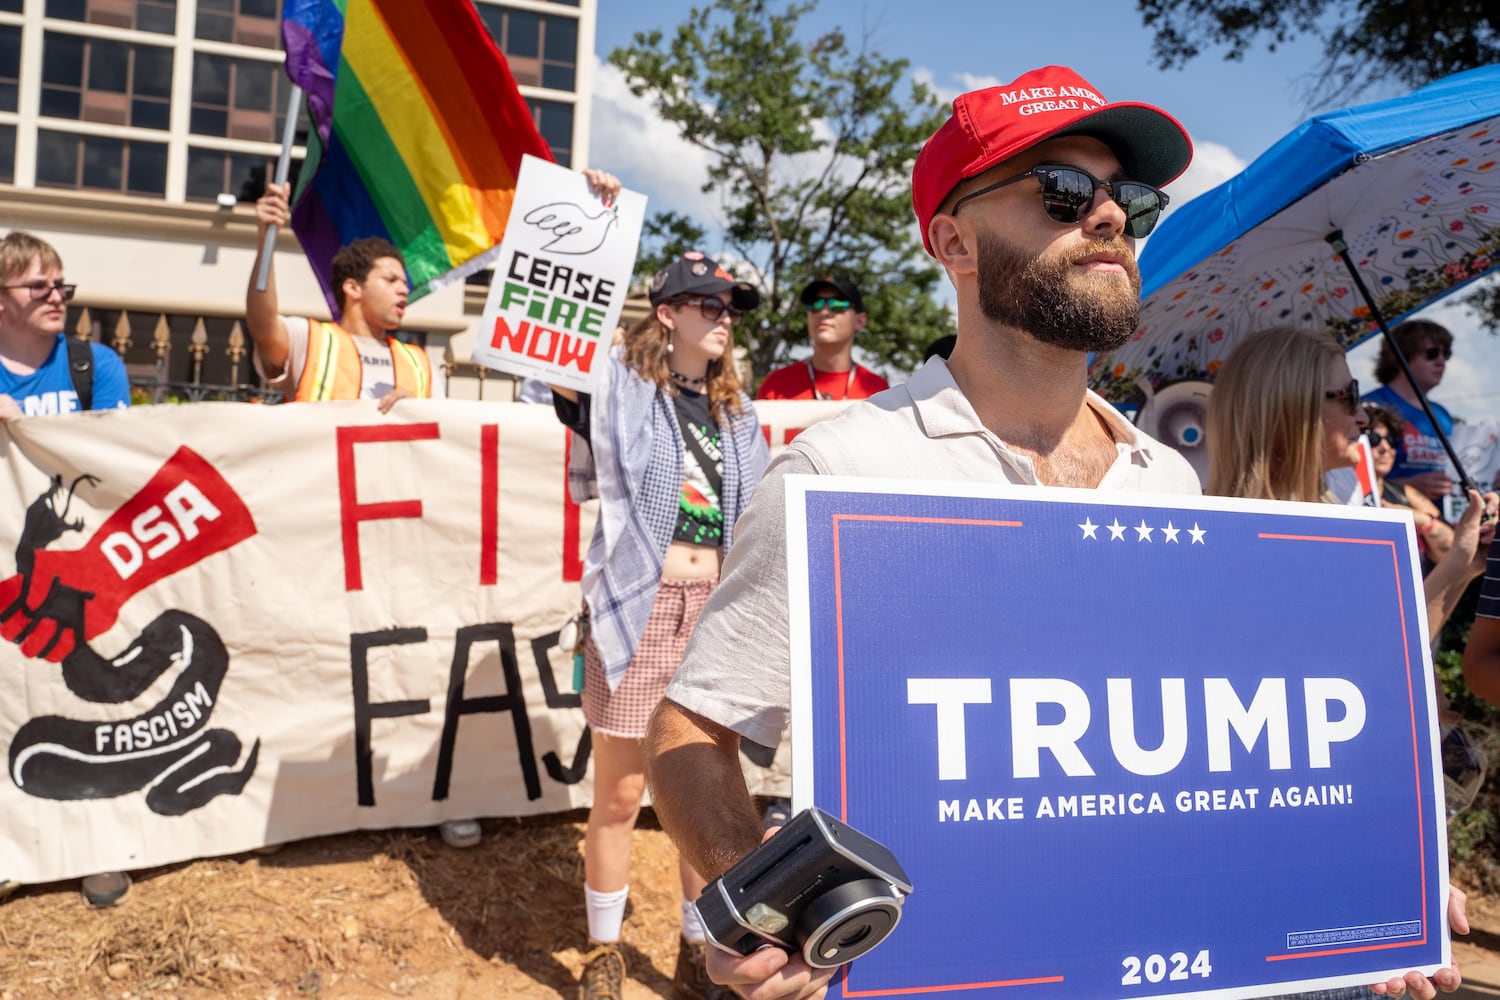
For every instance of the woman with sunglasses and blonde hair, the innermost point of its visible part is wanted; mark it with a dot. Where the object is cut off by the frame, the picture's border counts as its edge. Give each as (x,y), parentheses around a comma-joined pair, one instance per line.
(1285,411)
(671,445)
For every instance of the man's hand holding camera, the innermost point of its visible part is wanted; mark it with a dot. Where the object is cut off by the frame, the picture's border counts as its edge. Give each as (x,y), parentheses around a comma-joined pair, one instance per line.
(770,973)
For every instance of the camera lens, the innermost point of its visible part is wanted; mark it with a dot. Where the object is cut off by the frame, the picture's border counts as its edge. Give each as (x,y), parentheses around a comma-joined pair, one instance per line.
(847,921)
(854,936)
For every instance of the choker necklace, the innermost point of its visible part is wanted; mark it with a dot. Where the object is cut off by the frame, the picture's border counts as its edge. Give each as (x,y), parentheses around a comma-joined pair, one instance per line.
(687,380)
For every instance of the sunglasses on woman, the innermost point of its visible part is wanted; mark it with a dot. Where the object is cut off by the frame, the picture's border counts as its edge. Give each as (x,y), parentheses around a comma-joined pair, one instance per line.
(712,307)
(1068,192)
(1377,439)
(1433,353)
(1348,395)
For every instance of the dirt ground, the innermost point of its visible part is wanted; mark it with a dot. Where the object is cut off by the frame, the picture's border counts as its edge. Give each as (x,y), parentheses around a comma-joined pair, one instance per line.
(390,914)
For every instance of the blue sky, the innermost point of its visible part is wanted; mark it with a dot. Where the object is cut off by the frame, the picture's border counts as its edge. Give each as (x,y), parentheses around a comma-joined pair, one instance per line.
(1233,110)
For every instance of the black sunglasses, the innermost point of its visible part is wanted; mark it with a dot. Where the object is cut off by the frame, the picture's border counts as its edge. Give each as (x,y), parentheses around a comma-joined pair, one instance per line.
(1348,395)
(1067,193)
(712,307)
(1377,439)
(1433,353)
(42,290)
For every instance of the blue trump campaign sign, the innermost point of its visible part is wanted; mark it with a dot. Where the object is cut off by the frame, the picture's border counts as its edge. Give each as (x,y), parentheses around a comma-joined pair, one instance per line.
(1124,746)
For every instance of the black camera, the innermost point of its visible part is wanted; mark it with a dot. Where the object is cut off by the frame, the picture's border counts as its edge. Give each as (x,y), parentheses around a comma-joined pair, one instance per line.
(819,887)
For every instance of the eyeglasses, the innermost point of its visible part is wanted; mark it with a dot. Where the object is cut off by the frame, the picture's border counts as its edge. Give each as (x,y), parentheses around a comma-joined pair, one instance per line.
(1067,193)
(1433,353)
(712,307)
(1348,395)
(832,305)
(43,290)
(1377,439)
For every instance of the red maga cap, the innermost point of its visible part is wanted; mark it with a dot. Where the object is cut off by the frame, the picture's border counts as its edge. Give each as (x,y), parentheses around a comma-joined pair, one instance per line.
(992,125)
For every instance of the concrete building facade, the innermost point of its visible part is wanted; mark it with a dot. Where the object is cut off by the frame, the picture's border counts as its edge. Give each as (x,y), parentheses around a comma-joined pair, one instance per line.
(135,135)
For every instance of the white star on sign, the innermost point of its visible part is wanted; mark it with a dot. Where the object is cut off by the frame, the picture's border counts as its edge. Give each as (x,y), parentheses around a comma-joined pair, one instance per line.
(1116,531)
(1090,529)
(1197,534)
(1170,533)
(1143,533)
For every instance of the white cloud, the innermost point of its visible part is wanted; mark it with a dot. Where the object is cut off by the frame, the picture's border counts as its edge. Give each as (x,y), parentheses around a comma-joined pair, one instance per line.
(630,140)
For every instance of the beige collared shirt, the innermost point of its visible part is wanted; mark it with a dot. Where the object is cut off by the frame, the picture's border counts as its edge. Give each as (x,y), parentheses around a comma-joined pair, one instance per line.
(735,668)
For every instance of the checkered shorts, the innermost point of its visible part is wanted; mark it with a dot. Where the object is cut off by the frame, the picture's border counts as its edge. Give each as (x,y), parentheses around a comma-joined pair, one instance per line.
(626,711)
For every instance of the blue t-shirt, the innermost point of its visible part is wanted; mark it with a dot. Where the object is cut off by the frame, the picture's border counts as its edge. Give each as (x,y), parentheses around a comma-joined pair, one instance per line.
(1420,449)
(49,389)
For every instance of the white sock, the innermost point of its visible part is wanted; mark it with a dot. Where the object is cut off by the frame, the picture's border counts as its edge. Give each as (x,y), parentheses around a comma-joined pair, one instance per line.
(606,912)
(692,927)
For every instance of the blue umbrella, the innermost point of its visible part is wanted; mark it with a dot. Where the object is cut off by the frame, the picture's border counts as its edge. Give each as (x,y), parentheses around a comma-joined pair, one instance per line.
(1357,217)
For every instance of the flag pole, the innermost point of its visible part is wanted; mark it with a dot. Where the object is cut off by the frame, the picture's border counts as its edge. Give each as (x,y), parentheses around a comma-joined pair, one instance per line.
(283,167)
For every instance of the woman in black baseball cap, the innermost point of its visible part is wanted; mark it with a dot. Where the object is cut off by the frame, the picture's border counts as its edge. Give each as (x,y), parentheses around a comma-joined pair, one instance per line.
(671,444)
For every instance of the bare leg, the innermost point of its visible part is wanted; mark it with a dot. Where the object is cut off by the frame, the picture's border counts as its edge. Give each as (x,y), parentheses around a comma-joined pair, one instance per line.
(619,784)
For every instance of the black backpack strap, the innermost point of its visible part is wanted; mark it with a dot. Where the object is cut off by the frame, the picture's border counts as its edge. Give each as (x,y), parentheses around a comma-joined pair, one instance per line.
(81,367)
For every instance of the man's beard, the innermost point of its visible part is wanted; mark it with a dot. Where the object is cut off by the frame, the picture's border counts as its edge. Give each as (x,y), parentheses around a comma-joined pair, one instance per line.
(1055,301)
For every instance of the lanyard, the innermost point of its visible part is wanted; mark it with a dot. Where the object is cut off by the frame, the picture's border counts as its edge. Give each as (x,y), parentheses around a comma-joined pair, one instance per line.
(812,377)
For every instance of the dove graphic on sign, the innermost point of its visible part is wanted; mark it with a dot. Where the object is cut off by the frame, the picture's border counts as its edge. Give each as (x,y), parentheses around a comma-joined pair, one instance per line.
(574,231)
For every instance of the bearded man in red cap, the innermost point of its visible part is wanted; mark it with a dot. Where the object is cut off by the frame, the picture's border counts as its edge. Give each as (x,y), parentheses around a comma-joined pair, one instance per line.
(1031,196)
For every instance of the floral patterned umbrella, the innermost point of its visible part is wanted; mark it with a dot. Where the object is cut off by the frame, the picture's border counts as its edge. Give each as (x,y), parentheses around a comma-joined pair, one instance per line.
(1413,186)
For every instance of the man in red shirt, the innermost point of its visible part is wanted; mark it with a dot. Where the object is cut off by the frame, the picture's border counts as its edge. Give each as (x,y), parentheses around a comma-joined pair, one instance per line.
(835,314)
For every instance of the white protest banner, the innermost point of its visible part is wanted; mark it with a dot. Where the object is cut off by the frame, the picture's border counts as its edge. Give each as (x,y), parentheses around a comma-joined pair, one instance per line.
(228,625)
(560,279)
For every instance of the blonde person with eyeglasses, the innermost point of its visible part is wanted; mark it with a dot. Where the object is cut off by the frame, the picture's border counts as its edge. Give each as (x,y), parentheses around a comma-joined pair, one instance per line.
(41,374)
(1284,412)
(671,444)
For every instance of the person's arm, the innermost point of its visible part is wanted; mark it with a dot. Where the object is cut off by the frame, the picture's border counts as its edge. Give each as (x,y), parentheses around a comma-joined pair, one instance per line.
(262,313)
(699,794)
(1482,654)
(9,409)
(1437,533)
(1471,538)
(1433,485)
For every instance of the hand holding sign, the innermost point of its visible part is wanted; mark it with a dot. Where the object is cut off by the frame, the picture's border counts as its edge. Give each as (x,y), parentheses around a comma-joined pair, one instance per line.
(562,275)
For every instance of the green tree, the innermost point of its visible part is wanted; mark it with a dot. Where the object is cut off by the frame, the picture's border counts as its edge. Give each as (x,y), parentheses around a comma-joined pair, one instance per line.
(1365,42)
(810,146)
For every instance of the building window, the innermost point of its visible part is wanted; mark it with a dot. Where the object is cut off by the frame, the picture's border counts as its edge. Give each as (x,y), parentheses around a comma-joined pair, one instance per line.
(555,121)
(542,50)
(97,163)
(7,154)
(238,98)
(143,15)
(212,172)
(10,65)
(96,80)
(12,5)
(244,22)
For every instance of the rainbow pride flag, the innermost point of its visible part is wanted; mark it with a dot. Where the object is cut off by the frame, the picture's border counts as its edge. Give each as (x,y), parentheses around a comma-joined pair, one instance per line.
(418,133)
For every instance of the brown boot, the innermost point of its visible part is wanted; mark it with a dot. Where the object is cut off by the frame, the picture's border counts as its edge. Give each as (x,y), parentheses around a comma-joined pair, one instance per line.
(690,981)
(603,972)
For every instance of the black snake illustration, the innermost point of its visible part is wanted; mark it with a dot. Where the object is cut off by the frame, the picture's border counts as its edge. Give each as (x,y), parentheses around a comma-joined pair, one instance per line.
(167,749)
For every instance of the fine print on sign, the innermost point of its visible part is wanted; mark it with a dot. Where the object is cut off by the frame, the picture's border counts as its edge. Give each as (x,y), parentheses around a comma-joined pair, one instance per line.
(561,278)
(1124,746)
